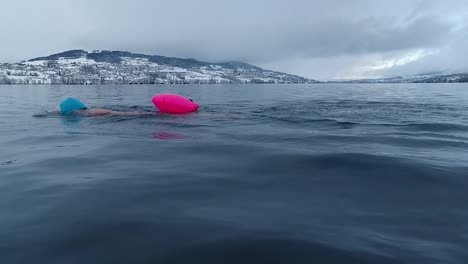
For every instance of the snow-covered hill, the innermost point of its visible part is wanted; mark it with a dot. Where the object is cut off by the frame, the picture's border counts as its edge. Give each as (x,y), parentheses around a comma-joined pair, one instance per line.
(423,78)
(120,67)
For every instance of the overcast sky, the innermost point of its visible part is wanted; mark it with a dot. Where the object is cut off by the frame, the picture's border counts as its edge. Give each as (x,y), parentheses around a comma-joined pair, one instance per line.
(318,39)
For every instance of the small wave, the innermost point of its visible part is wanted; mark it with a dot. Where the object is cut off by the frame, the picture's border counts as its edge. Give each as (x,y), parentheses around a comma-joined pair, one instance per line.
(303,120)
(354,167)
(9,162)
(251,250)
(435,127)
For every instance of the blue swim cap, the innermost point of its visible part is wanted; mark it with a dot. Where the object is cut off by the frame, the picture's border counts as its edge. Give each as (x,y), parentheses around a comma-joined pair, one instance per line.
(71,104)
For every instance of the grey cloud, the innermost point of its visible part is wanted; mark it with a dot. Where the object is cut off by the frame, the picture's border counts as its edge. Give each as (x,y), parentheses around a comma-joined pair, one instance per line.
(369,35)
(263,43)
(449,59)
(266,32)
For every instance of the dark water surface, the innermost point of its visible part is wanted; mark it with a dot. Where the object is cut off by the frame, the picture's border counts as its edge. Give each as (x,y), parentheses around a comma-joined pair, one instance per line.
(320,173)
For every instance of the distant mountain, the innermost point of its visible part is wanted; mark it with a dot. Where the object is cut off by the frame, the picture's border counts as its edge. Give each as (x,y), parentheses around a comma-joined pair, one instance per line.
(423,78)
(122,67)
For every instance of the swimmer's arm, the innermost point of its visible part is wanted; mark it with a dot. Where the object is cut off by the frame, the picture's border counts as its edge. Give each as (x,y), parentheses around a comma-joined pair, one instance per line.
(125,113)
(102,112)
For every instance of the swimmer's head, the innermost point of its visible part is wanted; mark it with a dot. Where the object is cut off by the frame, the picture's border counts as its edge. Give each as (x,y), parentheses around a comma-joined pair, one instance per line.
(71,104)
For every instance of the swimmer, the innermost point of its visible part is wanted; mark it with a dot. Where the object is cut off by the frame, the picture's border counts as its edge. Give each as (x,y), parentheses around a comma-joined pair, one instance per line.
(72,106)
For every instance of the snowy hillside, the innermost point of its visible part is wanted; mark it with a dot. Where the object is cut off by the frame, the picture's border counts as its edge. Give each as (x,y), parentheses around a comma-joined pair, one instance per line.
(423,78)
(119,67)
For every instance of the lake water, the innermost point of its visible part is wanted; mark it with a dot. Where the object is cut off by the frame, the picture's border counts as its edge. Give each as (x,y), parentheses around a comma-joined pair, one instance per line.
(321,173)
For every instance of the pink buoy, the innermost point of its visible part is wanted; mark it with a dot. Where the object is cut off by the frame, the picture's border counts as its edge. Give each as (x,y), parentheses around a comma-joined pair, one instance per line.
(174,104)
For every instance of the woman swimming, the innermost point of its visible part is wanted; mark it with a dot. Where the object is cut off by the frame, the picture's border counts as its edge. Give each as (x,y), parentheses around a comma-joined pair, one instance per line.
(72,106)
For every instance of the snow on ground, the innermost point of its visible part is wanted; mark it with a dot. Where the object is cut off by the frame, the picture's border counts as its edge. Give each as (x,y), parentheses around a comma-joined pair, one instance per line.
(137,61)
(35,63)
(216,67)
(174,69)
(82,60)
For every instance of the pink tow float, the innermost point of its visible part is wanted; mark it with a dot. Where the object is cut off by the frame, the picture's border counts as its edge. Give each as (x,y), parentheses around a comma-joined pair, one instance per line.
(174,104)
